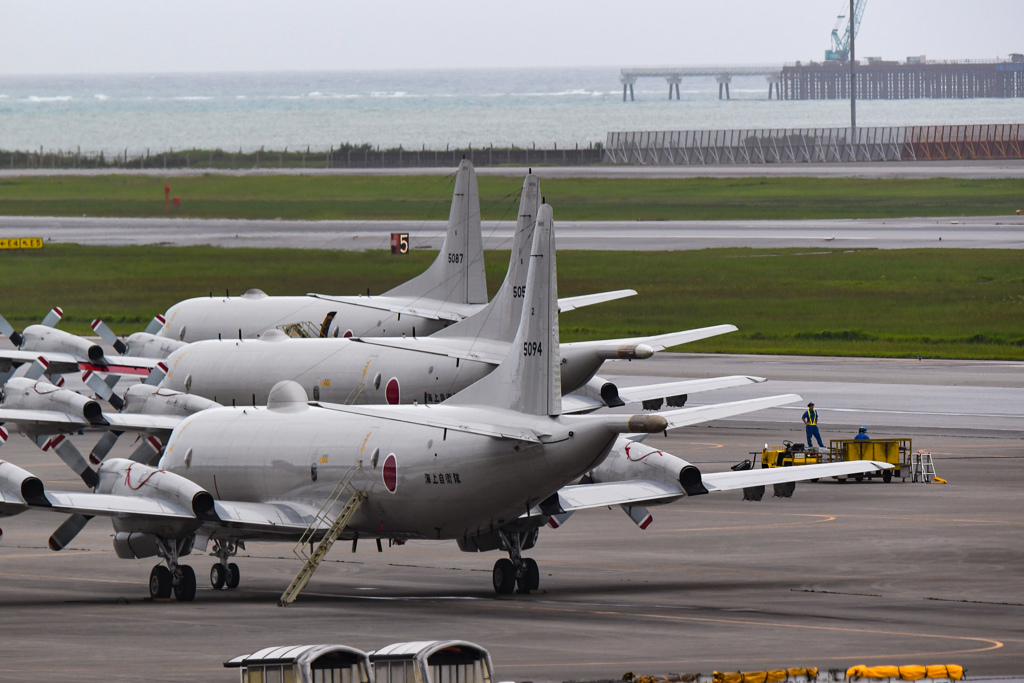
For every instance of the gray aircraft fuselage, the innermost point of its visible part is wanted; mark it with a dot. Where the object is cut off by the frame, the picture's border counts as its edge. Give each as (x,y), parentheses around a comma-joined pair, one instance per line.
(425,481)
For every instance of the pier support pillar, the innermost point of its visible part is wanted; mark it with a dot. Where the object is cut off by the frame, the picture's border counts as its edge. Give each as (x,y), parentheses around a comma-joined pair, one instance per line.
(723,81)
(673,83)
(627,82)
(776,81)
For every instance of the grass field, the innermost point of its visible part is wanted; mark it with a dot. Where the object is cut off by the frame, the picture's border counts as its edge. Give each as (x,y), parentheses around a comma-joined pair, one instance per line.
(429,197)
(935,303)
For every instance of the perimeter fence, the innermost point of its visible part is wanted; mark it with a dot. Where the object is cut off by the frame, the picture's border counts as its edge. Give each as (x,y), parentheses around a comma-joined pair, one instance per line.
(815,145)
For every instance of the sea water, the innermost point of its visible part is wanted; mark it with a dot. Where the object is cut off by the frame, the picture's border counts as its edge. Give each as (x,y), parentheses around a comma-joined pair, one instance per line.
(412,109)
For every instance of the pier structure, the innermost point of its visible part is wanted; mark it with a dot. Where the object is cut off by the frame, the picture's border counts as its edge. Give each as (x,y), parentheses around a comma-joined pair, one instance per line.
(915,78)
(722,74)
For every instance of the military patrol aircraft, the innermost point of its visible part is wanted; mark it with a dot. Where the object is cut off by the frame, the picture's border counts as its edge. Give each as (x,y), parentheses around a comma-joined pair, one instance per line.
(452,288)
(502,448)
(418,369)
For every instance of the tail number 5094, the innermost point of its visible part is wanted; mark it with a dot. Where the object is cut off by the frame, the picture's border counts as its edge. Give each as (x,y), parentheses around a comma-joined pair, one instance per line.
(533,348)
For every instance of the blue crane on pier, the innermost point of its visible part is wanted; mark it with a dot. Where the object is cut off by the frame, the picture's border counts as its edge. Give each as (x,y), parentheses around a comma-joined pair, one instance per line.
(841,44)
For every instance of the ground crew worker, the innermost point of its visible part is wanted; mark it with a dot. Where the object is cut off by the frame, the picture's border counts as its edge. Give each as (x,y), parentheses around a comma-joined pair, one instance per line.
(862,433)
(810,418)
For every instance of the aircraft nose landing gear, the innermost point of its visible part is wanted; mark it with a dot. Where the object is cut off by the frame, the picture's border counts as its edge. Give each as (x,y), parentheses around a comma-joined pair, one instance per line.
(518,573)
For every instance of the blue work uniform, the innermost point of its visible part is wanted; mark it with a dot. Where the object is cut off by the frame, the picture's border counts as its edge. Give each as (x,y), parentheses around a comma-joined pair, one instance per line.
(812,426)
(861,436)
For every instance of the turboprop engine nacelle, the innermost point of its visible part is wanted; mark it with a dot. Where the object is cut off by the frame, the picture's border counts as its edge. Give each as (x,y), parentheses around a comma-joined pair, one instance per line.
(31,394)
(635,460)
(146,345)
(122,477)
(43,338)
(143,398)
(15,484)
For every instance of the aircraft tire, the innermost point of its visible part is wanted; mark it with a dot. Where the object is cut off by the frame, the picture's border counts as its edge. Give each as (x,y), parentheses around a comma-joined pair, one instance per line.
(185,588)
(530,580)
(504,576)
(887,476)
(160,583)
(234,576)
(218,576)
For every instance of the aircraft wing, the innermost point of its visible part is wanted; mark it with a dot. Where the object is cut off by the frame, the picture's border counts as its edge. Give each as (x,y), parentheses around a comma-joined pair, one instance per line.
(571,303)
(583,403)
(728,481)
(583,496)
(691,386)
(60,363)
(109,505)
(66,363)
(481,350)
(383,304)
(690,416)
(66,422)
(426,418)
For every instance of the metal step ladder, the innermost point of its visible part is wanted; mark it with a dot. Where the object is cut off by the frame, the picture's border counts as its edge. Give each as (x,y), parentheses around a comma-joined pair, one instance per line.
(922,467)
(312,557)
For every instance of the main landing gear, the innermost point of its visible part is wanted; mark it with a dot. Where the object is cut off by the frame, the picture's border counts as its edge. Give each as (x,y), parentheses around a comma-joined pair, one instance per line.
(225,574)
(179,579)
(518,573)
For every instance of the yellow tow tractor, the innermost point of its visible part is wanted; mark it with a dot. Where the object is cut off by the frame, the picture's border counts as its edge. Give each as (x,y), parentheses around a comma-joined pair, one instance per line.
(788,455)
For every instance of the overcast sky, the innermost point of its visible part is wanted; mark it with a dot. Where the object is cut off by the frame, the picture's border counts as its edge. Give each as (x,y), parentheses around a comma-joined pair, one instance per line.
(109,36)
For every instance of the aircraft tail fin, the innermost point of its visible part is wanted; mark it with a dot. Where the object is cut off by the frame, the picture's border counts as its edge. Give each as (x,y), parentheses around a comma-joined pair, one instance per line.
(499,320)
(457,274)
(529,380)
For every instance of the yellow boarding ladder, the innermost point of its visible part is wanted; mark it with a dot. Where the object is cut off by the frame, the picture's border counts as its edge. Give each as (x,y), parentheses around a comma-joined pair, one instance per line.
(311,560)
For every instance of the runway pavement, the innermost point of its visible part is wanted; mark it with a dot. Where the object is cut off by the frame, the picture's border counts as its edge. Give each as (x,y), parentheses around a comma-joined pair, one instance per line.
(976,232)
(838,575)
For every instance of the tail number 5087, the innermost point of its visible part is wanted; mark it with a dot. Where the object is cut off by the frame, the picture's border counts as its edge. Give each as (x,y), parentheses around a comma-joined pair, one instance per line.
(455,258)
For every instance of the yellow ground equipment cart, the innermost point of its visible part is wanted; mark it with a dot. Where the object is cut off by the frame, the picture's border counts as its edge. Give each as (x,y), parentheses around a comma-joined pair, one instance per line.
(788,455)
(896,452)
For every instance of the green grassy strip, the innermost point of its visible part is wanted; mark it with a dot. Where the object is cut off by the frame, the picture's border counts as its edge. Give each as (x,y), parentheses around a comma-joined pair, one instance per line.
(429,197)
(935,303)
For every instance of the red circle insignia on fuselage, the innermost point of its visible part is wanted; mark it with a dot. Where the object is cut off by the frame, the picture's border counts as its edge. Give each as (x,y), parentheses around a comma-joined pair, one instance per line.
(392,392)
(348,333)
(390,472)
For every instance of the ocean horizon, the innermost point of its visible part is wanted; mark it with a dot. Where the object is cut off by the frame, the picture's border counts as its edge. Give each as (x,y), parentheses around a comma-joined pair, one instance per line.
(412,109)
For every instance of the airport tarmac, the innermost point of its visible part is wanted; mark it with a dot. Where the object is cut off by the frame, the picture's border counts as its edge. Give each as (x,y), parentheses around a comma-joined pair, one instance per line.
(974,232)
(867,573)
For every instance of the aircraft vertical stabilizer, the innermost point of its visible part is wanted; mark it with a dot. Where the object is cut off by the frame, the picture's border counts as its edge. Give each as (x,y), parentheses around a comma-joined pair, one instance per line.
(457,274)
(529,379)
(499,320)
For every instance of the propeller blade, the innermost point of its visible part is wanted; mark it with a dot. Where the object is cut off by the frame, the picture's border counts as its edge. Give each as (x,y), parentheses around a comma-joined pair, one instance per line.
(156,375)
(107,335)
(8,331)
(155,325)
(38,368)
(103,446)
(3,436)
(73,458)
(639,514)
(53,317)
(148,452)
(67,531)
(104,388)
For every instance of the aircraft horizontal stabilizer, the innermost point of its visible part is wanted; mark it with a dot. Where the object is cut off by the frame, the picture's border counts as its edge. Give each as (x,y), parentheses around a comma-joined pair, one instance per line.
(571,303)
(729,481)
(691,416)
(644,347)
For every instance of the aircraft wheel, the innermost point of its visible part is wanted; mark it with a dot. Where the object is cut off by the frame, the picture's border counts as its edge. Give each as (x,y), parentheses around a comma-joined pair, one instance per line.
(504,576)
(160,583)
(218,576)
(530,580)
(887,476)
(234,576)
(185,588)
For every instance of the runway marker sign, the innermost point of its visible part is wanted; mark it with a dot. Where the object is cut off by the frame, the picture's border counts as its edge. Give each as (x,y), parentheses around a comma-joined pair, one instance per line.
(21,242)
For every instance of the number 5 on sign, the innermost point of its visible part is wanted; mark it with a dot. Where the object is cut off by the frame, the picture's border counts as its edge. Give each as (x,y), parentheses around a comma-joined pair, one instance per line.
(399,243)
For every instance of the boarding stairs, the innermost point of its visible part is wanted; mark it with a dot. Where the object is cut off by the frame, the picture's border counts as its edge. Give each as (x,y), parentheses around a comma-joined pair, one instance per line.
(922,467)
(314,556)
(301,330)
